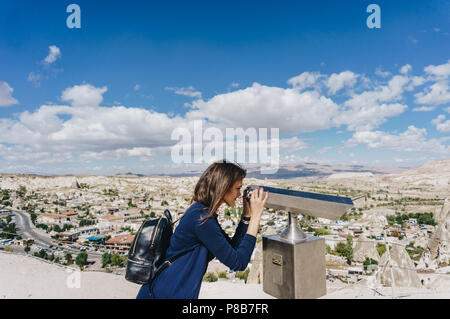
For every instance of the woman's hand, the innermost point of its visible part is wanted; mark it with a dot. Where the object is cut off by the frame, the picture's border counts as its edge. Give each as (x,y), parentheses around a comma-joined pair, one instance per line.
(257,201)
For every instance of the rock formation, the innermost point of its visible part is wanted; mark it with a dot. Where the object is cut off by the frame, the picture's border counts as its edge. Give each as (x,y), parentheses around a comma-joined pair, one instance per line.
(438,245)
(402,270)
(255,276)
(365,248)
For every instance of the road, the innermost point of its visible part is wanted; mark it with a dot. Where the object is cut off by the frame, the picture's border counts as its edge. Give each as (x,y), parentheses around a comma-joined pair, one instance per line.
(27,230)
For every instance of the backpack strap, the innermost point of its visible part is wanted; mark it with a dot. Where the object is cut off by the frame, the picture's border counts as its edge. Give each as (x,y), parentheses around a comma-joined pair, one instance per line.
(167,263)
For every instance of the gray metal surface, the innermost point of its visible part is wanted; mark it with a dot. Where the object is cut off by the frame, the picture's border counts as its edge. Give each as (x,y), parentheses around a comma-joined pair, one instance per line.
(306,203)
(294,270)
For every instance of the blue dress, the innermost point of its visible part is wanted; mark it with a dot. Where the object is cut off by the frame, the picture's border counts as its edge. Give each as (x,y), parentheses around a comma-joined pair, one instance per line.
(182,280)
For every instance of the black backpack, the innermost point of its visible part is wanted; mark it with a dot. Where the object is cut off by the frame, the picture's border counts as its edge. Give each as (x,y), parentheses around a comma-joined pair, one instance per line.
(146,257)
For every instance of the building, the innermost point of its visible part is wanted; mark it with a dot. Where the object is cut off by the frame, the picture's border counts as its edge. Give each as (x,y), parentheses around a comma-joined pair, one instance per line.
(121,242)
(51,219)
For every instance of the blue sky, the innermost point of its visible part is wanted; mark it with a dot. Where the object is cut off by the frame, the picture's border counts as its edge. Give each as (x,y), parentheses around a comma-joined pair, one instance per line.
(105,98)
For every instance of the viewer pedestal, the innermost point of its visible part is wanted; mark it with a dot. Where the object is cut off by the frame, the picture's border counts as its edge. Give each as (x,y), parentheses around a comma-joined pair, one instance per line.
(294,270)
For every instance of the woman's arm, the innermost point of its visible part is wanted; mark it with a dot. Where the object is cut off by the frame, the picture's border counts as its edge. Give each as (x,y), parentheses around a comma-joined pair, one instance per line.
(210,234)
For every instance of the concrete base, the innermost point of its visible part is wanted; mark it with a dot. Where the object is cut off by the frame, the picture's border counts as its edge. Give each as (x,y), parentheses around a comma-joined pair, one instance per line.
(294,270)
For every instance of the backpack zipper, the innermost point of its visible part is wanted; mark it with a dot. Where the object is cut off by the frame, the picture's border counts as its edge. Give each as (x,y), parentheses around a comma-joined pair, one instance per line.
(137,236)
(155,231)
(139,233)
(136,262)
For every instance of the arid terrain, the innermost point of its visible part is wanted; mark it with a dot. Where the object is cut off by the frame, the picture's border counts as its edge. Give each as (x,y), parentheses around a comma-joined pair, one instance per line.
(393,242)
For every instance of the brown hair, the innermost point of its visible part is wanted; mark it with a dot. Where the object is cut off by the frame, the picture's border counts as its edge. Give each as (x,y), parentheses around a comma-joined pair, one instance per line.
(215,182)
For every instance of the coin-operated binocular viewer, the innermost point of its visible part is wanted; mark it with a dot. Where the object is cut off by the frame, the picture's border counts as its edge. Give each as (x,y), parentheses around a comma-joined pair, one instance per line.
(293,263)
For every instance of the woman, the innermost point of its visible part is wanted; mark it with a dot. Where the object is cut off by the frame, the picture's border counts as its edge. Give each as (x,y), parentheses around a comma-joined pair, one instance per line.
(200,233)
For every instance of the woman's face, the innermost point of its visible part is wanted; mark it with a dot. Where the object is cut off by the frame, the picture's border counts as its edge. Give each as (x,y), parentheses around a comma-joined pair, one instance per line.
(233,193)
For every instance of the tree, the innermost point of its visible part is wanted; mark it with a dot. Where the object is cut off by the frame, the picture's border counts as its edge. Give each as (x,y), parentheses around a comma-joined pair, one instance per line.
(346,250)
(381,248)
(117,260)
(106,259)
(27,249)
(81,259)
(164,203)
(68,258)
(42,254)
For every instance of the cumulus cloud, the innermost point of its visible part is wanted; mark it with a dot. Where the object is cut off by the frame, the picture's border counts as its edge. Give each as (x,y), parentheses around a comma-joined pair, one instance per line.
(6,98)
(189,91)
(84,130)
(381,73)
(441,71)
(84,95)
(306,80)
(34,78)
(423,109)
(436,94)
(264,106)
(411,140)
(57,129)
(369,109)
(53,55)
(143,153)
(442,125)
(338,81)
(405,69)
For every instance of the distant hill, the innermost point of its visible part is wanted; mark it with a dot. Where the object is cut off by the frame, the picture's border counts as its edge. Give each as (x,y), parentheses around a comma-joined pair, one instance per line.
(307,169)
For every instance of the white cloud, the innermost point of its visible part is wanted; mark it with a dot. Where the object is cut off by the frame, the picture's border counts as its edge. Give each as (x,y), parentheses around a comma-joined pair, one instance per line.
(293,144)
(383,74)
(442,125)
(84,130)
(263,106)
(91,128)
(338,81)
(413,40)
(84,95)
(186,91)
(363,118)
(53,55)
(6,98)
(137,87)
(369,109)
(441,71)
(143,153)
(415,81)
(387,93)
(35,79)
(423,109)
(325,149)
(411,140)
(436,94)
(405,69)
(306,80)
